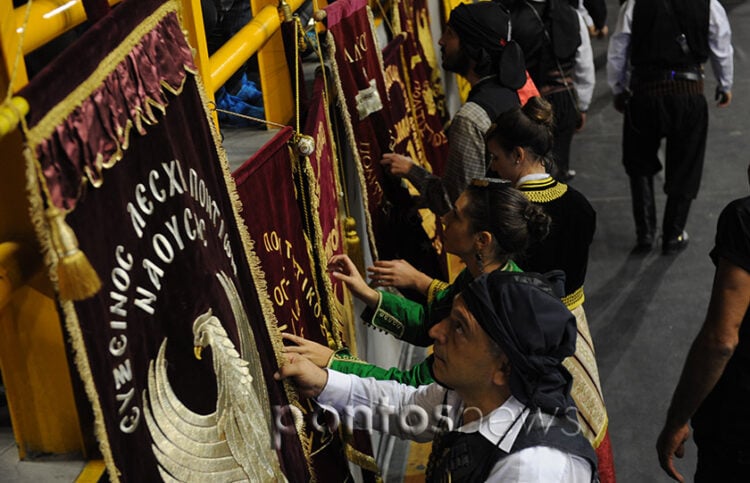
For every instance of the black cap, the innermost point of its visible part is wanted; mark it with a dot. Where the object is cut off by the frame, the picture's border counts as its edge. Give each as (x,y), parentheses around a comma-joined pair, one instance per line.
(484,30)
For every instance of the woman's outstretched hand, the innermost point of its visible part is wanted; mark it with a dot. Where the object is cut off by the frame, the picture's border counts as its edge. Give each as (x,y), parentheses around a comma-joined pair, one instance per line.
(399,274)
(342,268)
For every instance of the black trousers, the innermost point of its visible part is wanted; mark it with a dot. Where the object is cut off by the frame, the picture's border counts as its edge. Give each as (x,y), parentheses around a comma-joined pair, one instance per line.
(681,119)
(566,118)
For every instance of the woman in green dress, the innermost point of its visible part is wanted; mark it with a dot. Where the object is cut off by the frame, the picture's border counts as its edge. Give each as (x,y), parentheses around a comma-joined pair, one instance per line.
(490,224)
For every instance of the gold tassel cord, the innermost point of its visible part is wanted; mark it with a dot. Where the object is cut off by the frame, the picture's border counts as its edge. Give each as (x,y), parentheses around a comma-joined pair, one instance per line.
(354,244)
(77,279)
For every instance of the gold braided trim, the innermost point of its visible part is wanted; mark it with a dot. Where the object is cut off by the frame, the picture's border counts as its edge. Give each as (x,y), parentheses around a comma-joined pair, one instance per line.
(586,389)
(575,299)
(72,325)
(342,355)
(361,459)
(543,190)
(312,205)
(302,170)
(435,287)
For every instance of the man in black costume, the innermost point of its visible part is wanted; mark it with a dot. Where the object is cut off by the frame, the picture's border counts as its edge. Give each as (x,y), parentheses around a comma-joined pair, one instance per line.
(667,42)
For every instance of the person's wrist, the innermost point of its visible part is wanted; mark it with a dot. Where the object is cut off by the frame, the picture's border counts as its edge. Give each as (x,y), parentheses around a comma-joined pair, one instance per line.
(372,298)
(422,283)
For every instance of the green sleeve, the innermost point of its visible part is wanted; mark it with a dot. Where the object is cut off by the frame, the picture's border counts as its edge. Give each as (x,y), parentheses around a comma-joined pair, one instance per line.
(419,375)
(400,317)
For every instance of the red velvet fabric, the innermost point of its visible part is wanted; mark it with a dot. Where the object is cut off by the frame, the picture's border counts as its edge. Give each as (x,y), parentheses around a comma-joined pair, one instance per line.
(266,187)
(325,187)
(159,230)
(95,9)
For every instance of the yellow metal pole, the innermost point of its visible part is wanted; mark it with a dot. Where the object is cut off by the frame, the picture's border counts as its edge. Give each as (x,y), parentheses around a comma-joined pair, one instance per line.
(49,19)
(9,41)
(192,21)
(260,35)
(245,43)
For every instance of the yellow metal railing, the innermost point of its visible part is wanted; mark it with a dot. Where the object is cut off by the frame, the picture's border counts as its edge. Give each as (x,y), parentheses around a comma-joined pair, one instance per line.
(49,19)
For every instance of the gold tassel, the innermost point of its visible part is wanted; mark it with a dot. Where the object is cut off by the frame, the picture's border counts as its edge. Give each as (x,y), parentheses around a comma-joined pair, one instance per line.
(77,279)
(354,244)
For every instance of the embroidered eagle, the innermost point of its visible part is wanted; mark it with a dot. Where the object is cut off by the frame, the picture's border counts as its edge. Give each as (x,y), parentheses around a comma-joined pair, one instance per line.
(231,444)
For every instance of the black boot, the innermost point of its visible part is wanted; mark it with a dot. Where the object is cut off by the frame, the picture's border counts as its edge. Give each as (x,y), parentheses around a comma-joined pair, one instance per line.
(675,238)
(644,212)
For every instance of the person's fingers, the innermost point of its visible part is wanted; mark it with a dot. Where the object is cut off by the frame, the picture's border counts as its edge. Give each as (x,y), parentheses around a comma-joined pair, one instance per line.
(375,270)
(292,337)
(680,450)
(294,349)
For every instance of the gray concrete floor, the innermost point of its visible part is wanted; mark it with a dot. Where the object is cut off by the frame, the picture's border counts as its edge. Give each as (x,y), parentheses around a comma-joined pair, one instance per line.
(644,311)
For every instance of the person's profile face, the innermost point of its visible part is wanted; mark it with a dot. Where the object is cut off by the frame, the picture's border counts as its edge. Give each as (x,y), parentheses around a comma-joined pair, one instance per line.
(454,58)
(502,162)
(458,237)
(463,358)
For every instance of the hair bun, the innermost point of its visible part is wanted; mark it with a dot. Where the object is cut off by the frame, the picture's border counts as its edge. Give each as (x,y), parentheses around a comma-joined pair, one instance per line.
(537,221)
(539,110)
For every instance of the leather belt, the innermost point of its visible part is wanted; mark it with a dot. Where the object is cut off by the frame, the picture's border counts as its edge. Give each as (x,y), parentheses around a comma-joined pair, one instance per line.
(667,75)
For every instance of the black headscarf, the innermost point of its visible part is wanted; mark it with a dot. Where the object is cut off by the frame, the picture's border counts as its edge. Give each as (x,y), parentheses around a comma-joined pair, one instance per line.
(484,30)
(523,315)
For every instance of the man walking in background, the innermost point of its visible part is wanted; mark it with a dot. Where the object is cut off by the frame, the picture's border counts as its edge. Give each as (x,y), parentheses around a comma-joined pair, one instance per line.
(666,42)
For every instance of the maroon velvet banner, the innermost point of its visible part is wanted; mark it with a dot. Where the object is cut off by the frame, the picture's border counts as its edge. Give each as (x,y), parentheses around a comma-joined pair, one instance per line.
(134,163)
(420,71)
(407,139)
(265,184)
(393,220)
(325,223)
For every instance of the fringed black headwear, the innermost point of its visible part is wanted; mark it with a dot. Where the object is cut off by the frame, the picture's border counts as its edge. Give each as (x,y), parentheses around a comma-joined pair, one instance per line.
(485,33)
(524,316)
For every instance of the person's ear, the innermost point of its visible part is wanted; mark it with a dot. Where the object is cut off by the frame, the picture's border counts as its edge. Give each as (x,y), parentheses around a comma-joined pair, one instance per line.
(483,240)
(519,155)
(501,377)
